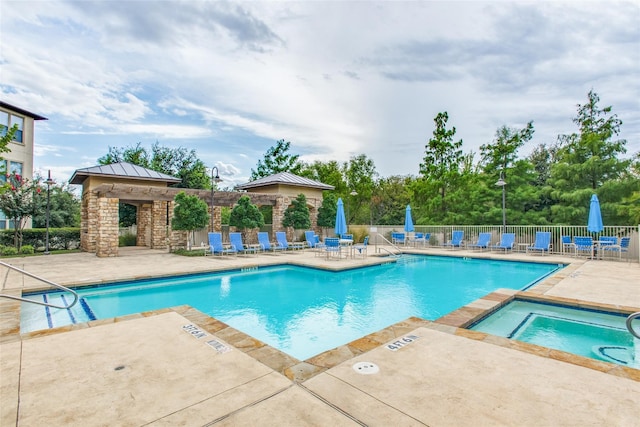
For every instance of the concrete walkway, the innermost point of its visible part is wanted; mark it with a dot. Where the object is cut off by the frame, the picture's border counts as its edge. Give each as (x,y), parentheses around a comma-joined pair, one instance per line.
(180,367)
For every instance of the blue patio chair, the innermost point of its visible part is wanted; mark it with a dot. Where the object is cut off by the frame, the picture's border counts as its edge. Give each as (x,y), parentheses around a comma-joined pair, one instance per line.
(484,240)
(584,244)
(419,239)
(507,240)
(332,247)
(238,244)
(619,248)
(281,238)
(542,243)
(313,241)
(568,245)
(397,238)
(456,241)
(265,244)
(217,248)
(361,248)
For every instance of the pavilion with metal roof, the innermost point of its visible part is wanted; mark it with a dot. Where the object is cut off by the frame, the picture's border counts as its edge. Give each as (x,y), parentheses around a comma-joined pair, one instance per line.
(105,186)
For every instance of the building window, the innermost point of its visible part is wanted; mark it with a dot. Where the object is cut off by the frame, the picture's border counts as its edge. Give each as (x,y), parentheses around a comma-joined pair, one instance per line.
(7,121)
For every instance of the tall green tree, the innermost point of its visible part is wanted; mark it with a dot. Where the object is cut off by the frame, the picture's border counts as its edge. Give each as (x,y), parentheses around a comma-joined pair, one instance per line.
(327,211)
(590,161)
(328,173)
(360,173)
(440,168)
(64,207)
(245,215)
(297,215)
(390,199)
(178,162)
(277,159)
(189,214)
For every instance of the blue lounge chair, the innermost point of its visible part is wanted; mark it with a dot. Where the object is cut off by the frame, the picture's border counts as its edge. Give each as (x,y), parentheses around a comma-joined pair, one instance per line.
(584,244)
(217,248)
(419,239)
(484,240)
(281,238)
(313,241)
(542,243)
(332,247)
(397,238)
(265,244)
(456,241)
(568,245)
(507,240)
(619,248)
(236,241)
(361,248)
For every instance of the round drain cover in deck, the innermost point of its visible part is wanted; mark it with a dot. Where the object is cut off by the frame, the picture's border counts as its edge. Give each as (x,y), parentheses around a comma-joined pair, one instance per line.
(366,368)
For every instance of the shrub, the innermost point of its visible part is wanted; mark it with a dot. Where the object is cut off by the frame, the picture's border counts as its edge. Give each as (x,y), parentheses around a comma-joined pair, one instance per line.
(9,250)
(59,238)
(27,249)
(127,239)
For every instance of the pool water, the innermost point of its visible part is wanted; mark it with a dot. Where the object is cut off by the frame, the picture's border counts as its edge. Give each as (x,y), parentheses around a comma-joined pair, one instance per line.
(590,333)
(303,311)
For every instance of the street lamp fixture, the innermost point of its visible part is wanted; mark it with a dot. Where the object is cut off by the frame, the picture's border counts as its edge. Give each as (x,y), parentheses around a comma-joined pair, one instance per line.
(502,183)
(214,180)
(49,182)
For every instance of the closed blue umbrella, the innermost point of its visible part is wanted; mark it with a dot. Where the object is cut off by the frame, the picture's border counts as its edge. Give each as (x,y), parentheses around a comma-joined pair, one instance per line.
(408,222)
(341,221)
(594,224)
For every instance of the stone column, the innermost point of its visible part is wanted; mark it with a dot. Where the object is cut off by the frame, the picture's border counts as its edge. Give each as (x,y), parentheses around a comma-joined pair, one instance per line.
(89,222)
(143,221)
(282,203)
(215,219)
(160,224)
(107,242)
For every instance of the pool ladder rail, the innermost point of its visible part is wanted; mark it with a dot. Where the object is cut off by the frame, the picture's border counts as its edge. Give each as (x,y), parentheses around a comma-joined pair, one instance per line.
(378,249)
(48,282)
(630,319)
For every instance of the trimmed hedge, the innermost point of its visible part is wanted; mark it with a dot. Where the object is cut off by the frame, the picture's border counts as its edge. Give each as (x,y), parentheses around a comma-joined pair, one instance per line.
(59,238)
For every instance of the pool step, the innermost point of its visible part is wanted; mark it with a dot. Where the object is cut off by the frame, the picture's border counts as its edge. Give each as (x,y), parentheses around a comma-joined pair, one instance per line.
(35,317)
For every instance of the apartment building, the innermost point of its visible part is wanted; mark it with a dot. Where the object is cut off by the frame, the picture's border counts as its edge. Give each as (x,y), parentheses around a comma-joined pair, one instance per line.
(20,158)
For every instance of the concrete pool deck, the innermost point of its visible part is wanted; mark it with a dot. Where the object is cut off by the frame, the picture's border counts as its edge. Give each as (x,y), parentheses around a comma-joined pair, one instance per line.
(180,367)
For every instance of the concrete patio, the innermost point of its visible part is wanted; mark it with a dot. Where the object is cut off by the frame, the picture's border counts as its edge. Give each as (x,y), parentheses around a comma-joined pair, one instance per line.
(180,367)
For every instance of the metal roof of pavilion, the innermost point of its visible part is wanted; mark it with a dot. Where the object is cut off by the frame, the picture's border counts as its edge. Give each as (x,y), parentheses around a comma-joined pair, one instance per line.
(121,170)
(285,178)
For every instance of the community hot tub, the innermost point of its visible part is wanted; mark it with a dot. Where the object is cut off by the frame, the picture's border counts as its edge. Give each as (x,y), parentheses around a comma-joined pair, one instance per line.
(591,333)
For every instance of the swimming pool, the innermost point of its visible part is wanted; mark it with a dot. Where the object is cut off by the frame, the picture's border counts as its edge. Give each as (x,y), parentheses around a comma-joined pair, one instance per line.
(303,311)
(591,333)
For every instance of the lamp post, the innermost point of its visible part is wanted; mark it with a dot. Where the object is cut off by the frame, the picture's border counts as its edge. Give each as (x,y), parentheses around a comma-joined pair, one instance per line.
(49,183)
(502,183)
(352,194)
(214,180)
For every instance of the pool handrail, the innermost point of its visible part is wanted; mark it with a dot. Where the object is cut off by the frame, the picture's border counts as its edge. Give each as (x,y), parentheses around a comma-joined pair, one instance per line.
(48,282)
(630,319)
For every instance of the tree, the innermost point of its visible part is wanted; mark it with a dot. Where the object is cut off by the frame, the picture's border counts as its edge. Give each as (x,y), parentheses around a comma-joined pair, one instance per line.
(20,200)
(328,173)
(297,215)
(245,215)
(360,175)
(390,200)
(327,211)
(189,214)
(503,151)
(7,138)
(276,160)
(440,168)
(178,162)
(64,208)
(589,162)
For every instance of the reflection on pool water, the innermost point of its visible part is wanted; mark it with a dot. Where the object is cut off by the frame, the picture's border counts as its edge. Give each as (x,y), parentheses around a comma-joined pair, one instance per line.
(590,333)
(303,311)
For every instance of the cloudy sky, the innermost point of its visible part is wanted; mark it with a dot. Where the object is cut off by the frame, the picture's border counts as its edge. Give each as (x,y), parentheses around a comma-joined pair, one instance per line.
(336,78)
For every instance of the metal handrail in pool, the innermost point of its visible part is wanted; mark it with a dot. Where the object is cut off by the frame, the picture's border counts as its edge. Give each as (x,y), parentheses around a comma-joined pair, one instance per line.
(630,319)
(48,282)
